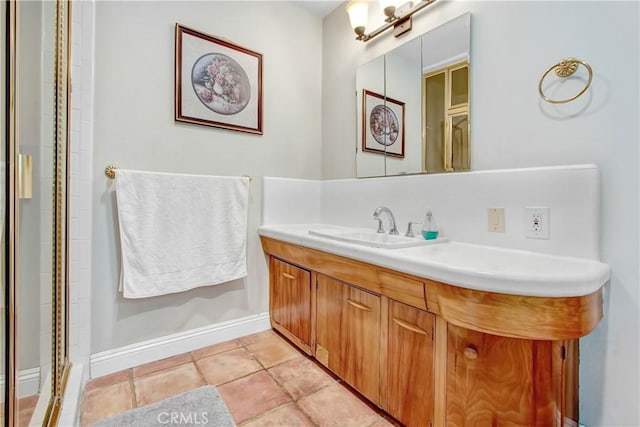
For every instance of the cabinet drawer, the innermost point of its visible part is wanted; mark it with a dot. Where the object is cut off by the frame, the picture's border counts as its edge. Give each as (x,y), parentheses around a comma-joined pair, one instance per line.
(402,289)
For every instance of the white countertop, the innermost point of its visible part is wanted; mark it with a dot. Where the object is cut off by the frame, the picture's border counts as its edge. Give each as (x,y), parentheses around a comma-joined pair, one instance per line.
(486,268)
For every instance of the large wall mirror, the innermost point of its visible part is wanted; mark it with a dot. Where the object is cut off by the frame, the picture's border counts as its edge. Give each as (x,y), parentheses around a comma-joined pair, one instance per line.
(35,134)
(413,105)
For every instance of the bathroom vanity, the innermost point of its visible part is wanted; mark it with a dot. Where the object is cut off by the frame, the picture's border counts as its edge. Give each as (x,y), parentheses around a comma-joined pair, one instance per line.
(438,335)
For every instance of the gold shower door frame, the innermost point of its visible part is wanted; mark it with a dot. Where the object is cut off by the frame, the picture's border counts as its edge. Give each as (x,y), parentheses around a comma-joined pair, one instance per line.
(62,115)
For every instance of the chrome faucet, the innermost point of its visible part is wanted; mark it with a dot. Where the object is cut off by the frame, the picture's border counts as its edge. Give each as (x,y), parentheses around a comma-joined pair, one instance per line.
(392,221)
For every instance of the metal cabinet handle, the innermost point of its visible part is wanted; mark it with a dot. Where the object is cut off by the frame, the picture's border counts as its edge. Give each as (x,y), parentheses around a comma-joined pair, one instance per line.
(359,305)
(289,276)
(410,327)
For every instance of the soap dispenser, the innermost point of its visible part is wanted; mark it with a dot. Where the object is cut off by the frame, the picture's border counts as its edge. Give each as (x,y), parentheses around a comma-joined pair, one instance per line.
(429,227)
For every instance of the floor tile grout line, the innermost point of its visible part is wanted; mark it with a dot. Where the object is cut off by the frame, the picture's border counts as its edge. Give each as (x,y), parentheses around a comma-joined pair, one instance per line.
(269,373)
(132,387)
(127,370)
(306,357)
(163,369)
(193,356)
(274,409)
(199,371)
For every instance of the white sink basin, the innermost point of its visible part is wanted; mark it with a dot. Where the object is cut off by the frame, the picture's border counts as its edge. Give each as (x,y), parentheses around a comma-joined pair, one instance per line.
(371,238)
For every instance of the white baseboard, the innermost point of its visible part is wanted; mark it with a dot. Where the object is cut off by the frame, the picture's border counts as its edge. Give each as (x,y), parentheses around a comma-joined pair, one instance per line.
(28,383)
(110,361)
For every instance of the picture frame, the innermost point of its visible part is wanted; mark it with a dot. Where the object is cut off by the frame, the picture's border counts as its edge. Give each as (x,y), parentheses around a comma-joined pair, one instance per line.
(217,83)
(382,124)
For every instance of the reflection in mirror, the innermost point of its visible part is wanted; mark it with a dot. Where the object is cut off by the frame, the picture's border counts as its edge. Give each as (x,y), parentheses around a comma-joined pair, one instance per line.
(370,78)
(403,72)
(446,106)
(445,56)
(432,106)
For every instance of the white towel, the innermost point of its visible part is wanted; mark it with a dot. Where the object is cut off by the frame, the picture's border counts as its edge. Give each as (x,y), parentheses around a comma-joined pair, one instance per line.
(179,232)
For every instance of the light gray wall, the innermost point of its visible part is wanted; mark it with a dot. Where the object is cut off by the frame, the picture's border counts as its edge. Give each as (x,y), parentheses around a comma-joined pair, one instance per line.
(134,128)
(513,43)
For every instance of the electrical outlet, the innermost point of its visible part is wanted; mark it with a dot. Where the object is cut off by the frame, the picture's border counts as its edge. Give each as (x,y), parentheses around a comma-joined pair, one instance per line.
(495,220)
(536,222)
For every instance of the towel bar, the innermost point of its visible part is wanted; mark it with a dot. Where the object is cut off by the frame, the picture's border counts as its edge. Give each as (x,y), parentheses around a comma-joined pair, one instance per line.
(110,172)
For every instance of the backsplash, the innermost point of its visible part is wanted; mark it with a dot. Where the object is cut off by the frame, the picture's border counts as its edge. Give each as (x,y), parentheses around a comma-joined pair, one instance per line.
(459,202)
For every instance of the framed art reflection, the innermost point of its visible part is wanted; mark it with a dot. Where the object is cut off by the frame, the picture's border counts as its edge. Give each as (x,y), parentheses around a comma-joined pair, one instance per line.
(382,124)
(217,83)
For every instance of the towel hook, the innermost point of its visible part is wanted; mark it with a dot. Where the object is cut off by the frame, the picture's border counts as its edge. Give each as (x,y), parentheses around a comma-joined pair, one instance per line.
(565,68)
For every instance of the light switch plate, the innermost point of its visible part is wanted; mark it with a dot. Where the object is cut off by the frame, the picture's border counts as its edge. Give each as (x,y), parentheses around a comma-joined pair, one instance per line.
(495,220)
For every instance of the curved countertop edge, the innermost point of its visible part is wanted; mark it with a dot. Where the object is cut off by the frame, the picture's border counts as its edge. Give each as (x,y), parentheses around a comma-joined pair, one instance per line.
(587,277)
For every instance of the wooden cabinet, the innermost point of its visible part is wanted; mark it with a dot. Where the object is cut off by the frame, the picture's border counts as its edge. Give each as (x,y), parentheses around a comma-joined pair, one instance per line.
(410,365)
(348,334)
(500,381)
(290,300)
(430,353)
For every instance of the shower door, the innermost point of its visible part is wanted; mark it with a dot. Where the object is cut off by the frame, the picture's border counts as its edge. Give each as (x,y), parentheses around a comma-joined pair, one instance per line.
(4,189)
(35,156)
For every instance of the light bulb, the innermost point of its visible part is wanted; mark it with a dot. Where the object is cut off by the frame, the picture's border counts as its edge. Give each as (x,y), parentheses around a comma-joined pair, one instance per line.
(358,16)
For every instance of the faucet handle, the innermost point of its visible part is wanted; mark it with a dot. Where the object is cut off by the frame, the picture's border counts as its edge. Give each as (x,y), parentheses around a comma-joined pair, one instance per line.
(409,232)
(380,226)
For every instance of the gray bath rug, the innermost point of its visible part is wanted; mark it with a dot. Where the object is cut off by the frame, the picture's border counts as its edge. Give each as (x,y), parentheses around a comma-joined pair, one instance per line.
(200,407)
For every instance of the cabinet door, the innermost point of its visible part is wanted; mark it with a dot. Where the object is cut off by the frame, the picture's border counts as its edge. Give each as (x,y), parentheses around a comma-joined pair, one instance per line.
(290,302)
(348,334)
(499,381)
(410,365)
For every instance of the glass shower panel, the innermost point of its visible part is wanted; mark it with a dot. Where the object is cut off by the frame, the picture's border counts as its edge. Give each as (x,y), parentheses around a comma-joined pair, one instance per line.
(35,142)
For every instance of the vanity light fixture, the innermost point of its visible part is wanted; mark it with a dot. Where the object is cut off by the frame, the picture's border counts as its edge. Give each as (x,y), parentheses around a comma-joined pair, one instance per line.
(398,15)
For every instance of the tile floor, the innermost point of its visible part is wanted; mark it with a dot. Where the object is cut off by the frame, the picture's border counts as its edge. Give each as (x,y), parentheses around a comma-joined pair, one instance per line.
(26,406)
(263,379)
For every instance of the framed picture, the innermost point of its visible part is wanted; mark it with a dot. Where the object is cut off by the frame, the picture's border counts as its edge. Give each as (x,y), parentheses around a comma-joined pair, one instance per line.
(217,83)
(382,124)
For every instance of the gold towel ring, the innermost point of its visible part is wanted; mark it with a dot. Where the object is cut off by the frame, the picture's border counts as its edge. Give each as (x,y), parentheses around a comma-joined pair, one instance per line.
(566,68)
